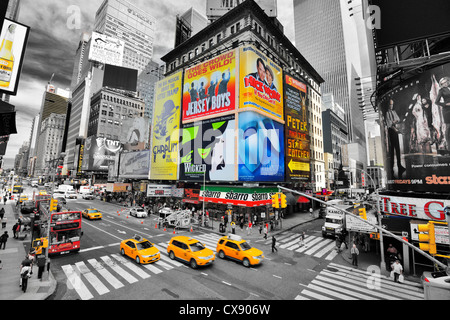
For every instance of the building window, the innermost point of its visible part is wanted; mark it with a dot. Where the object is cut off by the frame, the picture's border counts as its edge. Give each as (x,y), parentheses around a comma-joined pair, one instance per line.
(219,36)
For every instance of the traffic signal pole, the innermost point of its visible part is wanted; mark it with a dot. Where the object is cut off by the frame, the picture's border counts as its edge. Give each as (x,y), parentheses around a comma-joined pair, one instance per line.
(380,228)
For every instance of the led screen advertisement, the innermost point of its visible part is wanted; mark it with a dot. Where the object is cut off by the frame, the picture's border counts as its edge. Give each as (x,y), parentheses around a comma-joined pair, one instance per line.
(14,38)
(99,153)
(165,128)
(134,165)
(415,132)
(210,88)
(297,133)
(261,148)
(261,84)
(207,150)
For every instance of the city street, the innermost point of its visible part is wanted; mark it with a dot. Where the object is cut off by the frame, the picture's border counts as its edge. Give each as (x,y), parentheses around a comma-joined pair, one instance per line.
(99,272)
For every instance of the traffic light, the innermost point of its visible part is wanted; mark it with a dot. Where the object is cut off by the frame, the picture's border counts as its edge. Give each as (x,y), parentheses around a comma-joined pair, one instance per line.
(362,213)
(427,238)
(283,200)
(53,205)
(275,201)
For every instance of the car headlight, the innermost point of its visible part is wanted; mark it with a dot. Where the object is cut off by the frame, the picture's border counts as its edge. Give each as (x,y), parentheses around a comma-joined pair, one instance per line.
(206,258)
(260,257)
(151,256)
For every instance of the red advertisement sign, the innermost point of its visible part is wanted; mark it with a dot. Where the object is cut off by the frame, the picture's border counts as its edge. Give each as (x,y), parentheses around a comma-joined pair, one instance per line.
(210,88)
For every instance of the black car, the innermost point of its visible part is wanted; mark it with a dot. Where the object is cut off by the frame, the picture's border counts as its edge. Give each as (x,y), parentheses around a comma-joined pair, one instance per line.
(27,206)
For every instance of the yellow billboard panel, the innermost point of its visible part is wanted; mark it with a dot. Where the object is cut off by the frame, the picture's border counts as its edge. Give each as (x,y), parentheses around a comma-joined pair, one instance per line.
(165,128)
(261,84)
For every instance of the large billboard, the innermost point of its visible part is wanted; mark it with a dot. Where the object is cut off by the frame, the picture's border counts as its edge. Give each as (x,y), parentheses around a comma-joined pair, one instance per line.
(297,132)
(134,165)
(261,148)
(99,153)
(415,131)
(261,84)
(402,28)
(106,49)
(134,134)
(120,78)
(207,150)
(165,128)
(14,38)
(210,88)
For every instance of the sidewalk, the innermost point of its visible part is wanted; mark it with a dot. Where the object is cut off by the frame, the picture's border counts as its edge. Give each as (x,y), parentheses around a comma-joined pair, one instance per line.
(289,222)
(12,257)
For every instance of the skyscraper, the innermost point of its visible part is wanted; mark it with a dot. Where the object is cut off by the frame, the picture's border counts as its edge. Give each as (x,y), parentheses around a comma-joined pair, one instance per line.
(320,35)
(121,19)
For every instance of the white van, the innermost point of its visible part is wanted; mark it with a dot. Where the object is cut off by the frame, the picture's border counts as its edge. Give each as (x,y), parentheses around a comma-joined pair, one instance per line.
(71,194)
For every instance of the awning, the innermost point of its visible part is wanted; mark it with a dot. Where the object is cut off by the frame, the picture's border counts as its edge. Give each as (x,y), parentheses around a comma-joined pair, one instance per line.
(302,199)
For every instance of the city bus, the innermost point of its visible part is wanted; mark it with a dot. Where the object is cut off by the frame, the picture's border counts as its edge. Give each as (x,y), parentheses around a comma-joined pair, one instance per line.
(65,230)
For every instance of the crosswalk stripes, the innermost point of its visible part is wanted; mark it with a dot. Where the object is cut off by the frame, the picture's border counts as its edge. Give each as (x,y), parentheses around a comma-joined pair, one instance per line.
(312,245)
(338,282)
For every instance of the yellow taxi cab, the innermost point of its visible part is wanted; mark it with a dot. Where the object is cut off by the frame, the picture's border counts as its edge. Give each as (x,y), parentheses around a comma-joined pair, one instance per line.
(91,214)
(23,198)
(43,192)
(190,250)
(140,249)
(236,248)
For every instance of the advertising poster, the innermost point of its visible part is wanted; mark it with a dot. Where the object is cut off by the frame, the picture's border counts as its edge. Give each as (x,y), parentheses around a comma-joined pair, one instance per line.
(207,150)
(134,133)
(297,133)
(261,84)
(210,88)
(106,49)
(134,165)
(165,128)
(13,38)
(99,153)
(261,148)
(415,132)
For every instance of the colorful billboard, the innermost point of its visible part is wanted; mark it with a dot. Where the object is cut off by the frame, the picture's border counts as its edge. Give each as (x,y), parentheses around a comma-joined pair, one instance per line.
(210,88)
(415,132)
(14,38)
(238,196)
(261,148)
(207,150)
(165,128)
(297,133)
(261,84)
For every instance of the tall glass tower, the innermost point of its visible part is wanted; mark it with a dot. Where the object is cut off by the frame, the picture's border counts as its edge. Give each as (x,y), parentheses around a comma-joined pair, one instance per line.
(319,36)
(121,19)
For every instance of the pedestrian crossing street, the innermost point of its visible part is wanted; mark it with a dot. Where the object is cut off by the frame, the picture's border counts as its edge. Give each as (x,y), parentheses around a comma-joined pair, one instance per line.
(318,247)
(99,276)
(337,282)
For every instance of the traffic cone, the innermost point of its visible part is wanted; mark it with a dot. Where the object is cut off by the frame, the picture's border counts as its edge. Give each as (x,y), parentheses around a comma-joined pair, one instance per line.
(156,226)
(173,231)
(164,228)
(118,212)
(142,221)
(192,230)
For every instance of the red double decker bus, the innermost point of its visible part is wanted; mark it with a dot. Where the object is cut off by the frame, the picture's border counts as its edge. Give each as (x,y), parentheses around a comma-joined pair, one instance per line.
(65,232)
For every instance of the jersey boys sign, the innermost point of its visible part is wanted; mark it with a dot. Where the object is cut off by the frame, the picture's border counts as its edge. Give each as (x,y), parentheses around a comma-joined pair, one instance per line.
(210,88)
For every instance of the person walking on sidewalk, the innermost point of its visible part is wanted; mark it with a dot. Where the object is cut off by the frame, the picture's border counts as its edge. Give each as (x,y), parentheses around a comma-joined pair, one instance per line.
(2,213)
(274,241)
(25,273)
(233,227)
(3,239)
(14,230)
(355,252)
(266,226)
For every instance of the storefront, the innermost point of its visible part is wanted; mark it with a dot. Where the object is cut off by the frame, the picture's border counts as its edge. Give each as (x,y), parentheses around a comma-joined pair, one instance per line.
(241,204)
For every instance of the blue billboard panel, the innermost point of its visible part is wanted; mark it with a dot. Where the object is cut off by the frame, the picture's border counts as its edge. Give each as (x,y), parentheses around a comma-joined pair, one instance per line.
(261,148)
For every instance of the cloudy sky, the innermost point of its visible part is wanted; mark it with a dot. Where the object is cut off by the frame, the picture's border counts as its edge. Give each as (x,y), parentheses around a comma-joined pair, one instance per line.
(52,44)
